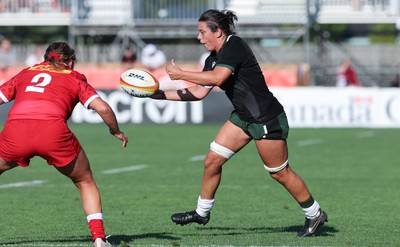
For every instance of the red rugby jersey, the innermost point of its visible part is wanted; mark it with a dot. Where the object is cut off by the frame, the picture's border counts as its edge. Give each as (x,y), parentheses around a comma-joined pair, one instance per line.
(40,92)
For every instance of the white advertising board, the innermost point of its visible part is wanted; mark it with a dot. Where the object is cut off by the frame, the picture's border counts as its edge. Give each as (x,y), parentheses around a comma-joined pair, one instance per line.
(306,107)
(341,107)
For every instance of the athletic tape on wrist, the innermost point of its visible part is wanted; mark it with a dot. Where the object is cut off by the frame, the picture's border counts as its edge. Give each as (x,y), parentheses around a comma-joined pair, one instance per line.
(186,95)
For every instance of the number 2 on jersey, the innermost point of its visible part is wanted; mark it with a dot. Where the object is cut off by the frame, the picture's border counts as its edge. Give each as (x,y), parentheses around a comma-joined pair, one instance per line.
(39,87)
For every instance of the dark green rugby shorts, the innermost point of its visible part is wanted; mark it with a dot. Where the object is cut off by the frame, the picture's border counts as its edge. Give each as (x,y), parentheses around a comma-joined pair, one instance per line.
(274,129)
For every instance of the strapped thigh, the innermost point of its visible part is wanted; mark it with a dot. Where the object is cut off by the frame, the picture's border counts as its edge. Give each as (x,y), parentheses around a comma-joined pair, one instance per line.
(221,150)
(276,169)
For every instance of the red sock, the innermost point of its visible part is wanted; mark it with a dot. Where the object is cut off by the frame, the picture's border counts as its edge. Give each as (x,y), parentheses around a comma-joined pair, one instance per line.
(97,229)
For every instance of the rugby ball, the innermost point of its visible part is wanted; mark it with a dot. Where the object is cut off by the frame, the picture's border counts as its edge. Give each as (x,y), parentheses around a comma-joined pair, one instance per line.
(139,83)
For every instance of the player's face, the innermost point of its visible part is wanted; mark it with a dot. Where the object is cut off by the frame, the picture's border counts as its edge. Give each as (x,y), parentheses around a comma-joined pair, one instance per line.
(206,36)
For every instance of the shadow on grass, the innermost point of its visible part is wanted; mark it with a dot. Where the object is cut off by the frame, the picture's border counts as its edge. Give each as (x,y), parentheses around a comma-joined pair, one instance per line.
(113,239)
(321,231)
(36,242)
(118,239)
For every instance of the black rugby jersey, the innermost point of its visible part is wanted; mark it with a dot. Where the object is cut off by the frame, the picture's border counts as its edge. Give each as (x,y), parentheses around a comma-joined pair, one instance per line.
(246,87)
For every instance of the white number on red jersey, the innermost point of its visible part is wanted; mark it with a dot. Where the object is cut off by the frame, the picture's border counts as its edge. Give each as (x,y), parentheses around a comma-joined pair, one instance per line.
(39,87)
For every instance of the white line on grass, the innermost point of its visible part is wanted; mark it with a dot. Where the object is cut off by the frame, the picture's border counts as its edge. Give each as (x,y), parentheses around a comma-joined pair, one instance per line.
(197,158)
(366,134)
(125,169)
(22,184)
(309,142)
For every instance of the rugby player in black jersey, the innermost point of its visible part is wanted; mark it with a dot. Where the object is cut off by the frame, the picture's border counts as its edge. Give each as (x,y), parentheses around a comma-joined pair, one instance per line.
(257,116)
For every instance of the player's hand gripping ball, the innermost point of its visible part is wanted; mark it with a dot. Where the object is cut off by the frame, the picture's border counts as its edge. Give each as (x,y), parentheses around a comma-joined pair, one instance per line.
(139,83)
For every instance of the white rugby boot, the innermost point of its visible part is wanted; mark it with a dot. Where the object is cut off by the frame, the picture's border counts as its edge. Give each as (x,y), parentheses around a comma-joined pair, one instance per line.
(99,242)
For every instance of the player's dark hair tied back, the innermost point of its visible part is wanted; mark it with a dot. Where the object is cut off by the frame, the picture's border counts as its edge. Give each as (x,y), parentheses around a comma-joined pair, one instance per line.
(223,19)
(54,55)
(60,55)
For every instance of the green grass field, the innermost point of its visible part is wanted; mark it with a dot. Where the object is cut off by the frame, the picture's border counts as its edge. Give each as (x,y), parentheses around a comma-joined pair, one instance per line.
(353,173)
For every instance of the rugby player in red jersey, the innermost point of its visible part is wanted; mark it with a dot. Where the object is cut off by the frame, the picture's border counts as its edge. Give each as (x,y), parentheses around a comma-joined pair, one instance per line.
(44,97)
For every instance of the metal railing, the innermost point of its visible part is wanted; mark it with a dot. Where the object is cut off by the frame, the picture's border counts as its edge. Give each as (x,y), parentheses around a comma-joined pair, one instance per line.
(174,19)
(140,12)
(35,12)
(166,12)
(358,11)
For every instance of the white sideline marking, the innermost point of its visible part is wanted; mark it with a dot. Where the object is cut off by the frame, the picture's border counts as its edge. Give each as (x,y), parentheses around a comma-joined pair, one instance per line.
(366,134)
(125,169)
(22,184)
(309,142)
(197,158)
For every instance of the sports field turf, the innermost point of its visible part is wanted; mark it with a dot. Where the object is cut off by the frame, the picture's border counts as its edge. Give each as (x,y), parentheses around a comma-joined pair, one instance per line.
(353,173)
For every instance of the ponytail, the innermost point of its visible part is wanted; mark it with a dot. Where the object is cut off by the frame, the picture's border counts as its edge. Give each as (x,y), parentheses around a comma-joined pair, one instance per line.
(224,20)
(60,55)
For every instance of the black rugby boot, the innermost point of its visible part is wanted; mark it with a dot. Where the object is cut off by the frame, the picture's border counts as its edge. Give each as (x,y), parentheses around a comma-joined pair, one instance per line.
(311,225)
(190,217)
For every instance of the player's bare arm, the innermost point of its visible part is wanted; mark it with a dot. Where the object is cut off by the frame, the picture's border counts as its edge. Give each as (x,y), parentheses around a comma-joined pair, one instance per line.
(109,118)
(205,78)
(193,93)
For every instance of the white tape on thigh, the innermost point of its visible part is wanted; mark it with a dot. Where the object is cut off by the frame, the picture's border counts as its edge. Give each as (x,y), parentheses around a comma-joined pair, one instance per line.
(276,169)
(221,150)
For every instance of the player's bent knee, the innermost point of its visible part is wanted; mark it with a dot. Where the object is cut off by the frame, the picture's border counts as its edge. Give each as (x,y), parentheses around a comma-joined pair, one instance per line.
(221,150)
(277,169)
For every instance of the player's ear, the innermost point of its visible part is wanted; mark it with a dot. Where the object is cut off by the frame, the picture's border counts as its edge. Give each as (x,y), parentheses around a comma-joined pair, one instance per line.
(219,33)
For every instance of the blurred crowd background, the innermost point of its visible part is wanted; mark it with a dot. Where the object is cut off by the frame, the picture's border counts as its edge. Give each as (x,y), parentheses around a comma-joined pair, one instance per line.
(297,42)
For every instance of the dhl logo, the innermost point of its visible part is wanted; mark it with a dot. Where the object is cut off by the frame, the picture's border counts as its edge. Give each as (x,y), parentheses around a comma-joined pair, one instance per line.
(140,77)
